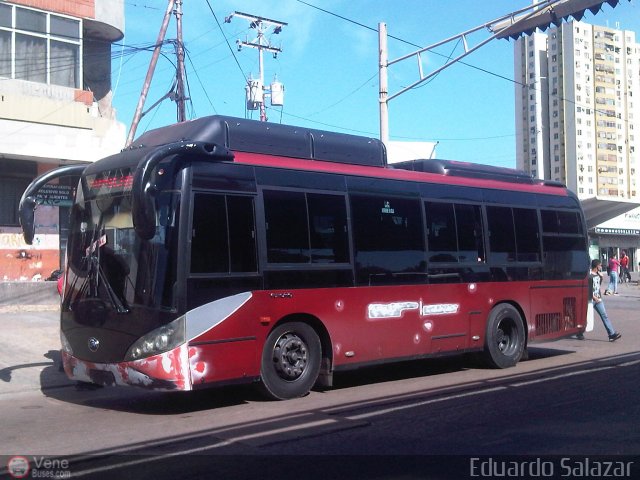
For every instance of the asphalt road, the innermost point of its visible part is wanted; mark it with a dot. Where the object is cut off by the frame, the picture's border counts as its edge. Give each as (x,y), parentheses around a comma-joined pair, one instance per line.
(570,401)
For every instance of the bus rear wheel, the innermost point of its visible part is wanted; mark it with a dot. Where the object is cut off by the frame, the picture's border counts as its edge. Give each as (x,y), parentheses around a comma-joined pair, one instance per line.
(505,339)
(290,361)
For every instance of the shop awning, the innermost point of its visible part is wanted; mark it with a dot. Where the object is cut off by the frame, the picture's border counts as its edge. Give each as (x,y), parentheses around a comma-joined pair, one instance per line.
(597,211)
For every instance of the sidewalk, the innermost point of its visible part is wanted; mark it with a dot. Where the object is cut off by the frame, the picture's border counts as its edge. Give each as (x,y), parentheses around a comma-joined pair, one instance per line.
(30,351)
(28,297)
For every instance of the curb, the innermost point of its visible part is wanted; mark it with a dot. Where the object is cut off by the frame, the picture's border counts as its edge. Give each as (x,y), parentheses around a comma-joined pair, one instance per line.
(28,308)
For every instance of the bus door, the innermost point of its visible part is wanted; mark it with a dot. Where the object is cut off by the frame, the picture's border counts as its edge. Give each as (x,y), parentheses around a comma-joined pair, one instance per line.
(456,261)
(389,258)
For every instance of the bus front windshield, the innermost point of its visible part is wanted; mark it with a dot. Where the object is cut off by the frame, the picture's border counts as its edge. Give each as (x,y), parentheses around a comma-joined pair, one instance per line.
(109,262)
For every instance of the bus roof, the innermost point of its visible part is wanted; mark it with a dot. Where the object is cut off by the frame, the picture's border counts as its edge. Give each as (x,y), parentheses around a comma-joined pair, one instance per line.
(287,146)
(241,135)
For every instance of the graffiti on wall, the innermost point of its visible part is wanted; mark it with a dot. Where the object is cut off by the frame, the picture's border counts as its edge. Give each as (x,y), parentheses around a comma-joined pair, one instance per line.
(22,262)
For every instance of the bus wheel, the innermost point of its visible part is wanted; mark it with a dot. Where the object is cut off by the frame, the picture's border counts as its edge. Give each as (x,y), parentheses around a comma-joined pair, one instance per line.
(290,361)
(505,340)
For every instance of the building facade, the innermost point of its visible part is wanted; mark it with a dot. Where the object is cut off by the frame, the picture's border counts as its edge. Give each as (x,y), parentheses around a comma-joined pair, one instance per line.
(577,121)
(55,109)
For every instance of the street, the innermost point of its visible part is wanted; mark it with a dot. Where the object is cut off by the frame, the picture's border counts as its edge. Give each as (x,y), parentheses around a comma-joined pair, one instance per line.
(570,399)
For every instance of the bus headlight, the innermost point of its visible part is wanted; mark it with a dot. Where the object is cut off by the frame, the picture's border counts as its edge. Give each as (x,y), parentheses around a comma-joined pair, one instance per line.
(160,340)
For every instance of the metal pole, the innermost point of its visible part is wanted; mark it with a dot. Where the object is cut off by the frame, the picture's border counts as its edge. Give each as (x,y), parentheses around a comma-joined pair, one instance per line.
(384,83)
(180,97)
(263,110)
(147,81)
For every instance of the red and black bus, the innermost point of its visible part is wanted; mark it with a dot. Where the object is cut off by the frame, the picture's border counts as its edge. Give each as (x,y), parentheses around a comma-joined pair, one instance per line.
(225,250)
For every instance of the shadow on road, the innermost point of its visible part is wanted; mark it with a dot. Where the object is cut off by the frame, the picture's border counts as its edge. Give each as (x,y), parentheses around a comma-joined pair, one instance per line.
(141,401)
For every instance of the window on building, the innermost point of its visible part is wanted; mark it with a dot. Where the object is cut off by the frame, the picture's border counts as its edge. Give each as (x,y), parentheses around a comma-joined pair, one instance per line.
(13,182)
(39,46)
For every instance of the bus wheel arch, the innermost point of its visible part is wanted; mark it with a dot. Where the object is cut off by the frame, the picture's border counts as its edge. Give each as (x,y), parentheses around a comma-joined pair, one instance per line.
(293,356)
(506,336)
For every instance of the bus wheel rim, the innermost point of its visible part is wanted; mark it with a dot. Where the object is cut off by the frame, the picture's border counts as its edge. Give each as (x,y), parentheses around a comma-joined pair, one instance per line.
(290,356)
(504,336)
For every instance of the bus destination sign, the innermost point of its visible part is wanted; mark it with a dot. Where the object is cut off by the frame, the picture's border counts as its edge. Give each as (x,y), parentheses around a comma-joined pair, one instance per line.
(56,195)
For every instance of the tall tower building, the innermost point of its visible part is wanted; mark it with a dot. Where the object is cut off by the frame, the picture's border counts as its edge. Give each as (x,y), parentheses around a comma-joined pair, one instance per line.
(577,119)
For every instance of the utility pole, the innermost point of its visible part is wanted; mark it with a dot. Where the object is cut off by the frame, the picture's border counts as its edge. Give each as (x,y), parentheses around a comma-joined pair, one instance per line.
(384,83)
(179,94)
(255,87)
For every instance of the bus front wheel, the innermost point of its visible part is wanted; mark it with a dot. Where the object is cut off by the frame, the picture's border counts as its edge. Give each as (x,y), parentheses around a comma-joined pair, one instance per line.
(505,339)
(290,361)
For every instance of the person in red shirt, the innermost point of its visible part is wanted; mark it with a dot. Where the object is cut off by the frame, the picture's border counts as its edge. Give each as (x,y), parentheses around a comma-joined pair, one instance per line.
(614,268)
(624,265)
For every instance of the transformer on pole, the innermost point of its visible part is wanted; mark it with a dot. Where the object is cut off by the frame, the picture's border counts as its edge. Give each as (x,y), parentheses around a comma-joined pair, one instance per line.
(255,88)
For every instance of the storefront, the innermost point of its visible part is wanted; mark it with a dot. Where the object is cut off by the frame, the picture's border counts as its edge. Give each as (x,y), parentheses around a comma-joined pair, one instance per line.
(620,234)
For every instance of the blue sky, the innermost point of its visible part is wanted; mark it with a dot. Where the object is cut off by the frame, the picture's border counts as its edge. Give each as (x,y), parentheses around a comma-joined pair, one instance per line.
(329,66)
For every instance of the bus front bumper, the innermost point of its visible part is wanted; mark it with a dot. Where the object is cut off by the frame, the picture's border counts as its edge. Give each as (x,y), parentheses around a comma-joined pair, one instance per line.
(166,371)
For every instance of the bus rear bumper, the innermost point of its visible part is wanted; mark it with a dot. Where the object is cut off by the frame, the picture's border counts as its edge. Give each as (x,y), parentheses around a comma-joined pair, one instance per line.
(165,371)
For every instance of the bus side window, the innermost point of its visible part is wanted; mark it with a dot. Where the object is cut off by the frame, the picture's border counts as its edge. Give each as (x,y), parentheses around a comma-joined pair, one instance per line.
(388,238)
(527,234)
(565,251)
(223,238)
(242,234)
(470,234)
(306,227)
(502,240)
(441,232)
(328,228)
(209,242)
(287,227)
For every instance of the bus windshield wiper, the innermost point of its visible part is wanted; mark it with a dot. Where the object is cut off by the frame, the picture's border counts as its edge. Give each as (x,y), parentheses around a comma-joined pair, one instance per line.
(96,275)
(113,297)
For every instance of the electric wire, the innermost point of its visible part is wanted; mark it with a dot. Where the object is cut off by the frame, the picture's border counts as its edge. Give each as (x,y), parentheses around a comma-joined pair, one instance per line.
(227,42)
(497,75)
(195,70)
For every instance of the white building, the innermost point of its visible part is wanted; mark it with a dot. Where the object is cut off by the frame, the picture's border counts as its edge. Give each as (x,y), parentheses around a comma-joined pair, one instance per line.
(55,109)
(577,121)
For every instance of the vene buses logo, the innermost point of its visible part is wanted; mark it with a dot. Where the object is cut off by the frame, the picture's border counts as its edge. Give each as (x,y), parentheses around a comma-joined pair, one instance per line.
(18,466)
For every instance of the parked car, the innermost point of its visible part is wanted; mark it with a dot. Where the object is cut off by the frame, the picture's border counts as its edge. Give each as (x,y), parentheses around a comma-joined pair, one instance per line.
(57,276)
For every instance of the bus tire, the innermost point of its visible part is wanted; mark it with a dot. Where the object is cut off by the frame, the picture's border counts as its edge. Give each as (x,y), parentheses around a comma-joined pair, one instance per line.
(290,361)
(505,339)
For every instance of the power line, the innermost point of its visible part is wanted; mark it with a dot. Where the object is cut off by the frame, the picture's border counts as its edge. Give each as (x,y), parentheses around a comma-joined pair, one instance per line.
(227,41)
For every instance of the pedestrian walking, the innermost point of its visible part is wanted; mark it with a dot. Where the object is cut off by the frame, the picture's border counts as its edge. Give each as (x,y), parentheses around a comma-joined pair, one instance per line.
(595,280)
(614,268)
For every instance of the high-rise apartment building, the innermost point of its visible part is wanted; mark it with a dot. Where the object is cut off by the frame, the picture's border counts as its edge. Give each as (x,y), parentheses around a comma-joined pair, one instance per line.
(55,109)
(578,120)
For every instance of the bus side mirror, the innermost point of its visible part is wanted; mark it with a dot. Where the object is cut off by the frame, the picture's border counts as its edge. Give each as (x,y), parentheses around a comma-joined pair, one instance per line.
(26,215)
(28,202)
